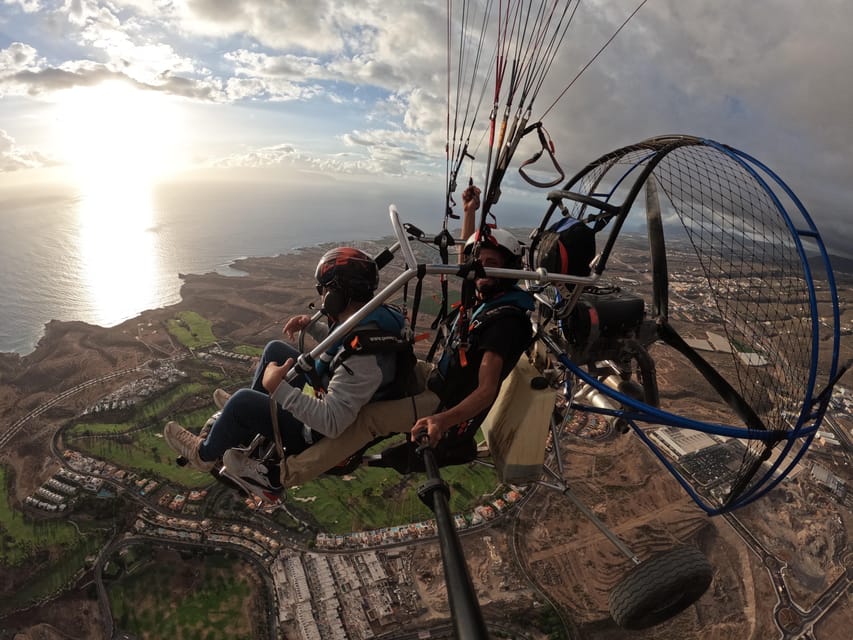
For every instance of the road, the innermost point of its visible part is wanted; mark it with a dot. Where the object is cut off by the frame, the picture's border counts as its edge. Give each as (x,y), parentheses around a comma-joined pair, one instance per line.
(572,631)
(129,540)
(117,544)
(799,623)
(802,625)
(839,432)
(18,424)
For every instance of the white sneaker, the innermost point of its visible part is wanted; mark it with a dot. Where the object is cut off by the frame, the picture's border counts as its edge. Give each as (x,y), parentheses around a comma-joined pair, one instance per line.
(186,444)
(253,476)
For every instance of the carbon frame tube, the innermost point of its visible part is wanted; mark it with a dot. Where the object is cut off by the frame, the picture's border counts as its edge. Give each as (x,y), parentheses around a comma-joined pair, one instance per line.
(464,607)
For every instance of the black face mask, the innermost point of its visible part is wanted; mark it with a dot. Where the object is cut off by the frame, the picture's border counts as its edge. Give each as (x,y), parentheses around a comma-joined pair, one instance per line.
(493,287)
(334,302)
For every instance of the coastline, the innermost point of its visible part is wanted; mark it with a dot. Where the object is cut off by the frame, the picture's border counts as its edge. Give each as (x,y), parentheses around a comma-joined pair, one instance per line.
(247,309)
(234,268)
(169,299)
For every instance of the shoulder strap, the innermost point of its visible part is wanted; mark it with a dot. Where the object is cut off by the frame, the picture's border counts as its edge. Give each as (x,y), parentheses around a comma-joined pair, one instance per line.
(369,340)
(513,302)
(383,331)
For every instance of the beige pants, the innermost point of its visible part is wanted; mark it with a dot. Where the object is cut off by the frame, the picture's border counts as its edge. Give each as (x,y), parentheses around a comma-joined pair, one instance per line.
(376,419)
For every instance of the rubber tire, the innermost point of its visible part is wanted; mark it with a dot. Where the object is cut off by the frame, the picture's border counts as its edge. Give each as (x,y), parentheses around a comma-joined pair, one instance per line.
(660,588)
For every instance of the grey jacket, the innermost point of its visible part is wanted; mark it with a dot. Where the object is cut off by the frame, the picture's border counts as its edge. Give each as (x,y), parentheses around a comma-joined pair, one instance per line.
(346,394)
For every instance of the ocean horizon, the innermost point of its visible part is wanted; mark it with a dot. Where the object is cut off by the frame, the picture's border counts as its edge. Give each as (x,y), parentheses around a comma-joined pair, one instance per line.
(104,258)
(67,258)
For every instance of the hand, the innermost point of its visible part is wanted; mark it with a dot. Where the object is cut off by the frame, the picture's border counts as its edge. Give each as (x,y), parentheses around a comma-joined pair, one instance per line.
(274,374)
(471,199)
(295,325)
(433,426)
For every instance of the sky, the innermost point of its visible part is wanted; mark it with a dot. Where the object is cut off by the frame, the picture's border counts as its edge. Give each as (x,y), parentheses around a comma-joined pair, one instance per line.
(356,92)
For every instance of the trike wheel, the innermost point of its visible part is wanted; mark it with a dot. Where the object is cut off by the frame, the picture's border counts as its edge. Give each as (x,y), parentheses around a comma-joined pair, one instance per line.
(660,588)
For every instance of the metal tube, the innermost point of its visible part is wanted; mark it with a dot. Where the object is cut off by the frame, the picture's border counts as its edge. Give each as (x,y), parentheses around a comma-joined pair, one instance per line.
(562,487)
(464,607)
(595,398)
(402,238)
(601,526)
(345,327)
(540,275)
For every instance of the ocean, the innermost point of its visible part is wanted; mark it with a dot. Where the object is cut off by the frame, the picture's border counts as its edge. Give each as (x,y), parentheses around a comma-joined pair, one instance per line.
(105,258)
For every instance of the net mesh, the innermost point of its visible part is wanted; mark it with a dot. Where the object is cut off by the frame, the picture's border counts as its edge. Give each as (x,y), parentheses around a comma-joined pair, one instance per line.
(756,285)
(739,290)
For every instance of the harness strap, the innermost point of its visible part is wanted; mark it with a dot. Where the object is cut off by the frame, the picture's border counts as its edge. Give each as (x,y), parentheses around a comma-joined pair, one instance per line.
(444,241)
(469,272)
(279,447)
(547,146)
(416,302)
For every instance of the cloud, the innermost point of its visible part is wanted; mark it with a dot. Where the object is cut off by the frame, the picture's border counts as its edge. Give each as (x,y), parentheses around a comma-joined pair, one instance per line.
(309,26)
(131,43)
(19,57)
(769,78)
(14,158)
(53,79)
(371,153)
(27,6)
(276,78)
(288,66)
(393,151)
(767,82)
(360,45)
(263,157)
(45,80)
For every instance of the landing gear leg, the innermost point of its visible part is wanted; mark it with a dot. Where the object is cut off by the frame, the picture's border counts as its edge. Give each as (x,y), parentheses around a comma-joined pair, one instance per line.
(654,590)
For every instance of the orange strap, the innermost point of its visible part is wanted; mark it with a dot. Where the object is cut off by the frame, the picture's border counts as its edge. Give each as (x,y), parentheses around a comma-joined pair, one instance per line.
(463,360)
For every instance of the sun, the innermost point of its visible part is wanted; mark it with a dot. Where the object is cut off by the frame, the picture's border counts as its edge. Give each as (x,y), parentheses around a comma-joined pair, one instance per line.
(118,141)
(118,134)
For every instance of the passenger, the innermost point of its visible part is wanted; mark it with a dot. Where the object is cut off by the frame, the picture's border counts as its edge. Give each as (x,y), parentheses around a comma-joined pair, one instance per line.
(462,386)
(347,279)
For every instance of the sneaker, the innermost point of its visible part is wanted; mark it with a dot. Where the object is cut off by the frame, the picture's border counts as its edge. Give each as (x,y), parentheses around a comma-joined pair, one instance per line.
(186,444)
(220,397)
(254,476)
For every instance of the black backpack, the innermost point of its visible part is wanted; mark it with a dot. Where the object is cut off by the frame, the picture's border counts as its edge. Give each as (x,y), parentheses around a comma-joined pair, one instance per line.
(567,247)
(378,341)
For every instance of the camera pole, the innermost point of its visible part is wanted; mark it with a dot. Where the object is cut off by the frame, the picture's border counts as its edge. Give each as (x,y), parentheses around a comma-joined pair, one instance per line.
(464,607)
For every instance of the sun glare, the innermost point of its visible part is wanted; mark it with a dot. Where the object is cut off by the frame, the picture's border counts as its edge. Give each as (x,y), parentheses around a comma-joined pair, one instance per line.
(117,142)
(114,133)
(119,257)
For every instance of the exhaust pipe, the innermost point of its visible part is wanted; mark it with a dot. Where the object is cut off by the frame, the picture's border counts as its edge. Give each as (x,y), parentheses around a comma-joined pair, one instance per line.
(591,396)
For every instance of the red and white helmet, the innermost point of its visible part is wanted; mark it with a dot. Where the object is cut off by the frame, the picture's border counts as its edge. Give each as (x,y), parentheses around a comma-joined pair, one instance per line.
(500,239)
(349,270)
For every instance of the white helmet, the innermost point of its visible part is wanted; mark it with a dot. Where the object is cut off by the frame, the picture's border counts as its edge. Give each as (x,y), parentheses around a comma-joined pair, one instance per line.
(501,239)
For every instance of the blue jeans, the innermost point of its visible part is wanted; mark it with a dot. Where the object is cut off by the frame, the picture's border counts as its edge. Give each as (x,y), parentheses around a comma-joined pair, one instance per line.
(247,413)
